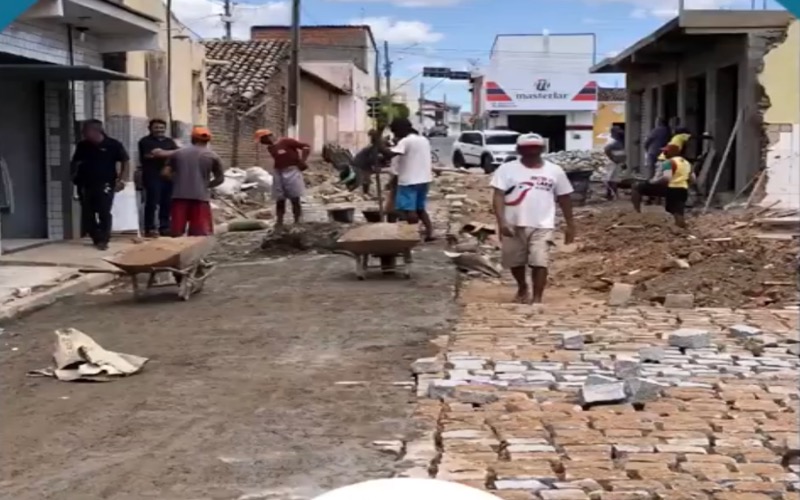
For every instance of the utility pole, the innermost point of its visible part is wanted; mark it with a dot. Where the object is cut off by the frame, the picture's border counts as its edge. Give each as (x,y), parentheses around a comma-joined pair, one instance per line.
(227,20)
(420,116)
(387,72)
(294,71)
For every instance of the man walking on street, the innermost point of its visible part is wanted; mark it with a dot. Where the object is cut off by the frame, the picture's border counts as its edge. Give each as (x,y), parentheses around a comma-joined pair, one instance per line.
(157,188)
(525,195)
(194,171)
(99,169)
(290,157)
(414,171)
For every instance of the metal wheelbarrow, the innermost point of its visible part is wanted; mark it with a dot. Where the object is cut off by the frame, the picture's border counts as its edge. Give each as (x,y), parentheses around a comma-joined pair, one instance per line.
(183,258)
(382,240)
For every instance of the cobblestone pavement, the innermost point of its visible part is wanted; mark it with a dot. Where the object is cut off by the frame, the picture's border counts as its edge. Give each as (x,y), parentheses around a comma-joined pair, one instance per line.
(502,403)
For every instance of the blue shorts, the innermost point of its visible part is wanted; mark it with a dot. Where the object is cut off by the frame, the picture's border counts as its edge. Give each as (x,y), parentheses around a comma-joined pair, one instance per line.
(411,198)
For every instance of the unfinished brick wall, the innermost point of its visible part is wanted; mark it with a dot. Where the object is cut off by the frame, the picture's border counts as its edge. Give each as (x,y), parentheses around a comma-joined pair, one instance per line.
(233,136)
(325,43)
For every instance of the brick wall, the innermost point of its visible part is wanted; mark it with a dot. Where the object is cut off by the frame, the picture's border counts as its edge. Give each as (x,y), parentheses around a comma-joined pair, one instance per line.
(233,138)
(351,43)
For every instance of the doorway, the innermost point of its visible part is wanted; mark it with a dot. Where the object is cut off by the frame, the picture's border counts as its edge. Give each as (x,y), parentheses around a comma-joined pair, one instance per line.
(551,127)
(696,114)
(669,104)
(23,185)
(727,95)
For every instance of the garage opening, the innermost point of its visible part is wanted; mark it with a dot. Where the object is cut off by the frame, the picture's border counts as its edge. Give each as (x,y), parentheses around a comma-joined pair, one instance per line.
(551,127)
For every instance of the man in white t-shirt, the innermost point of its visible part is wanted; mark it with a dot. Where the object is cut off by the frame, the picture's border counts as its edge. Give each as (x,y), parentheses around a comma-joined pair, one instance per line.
(525,196)
(414,170)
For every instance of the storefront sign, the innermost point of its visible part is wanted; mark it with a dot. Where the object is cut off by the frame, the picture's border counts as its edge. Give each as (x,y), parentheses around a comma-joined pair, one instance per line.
(525,91)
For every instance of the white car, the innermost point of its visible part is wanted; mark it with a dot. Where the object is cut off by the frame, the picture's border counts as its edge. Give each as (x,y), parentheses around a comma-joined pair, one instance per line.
(487,149)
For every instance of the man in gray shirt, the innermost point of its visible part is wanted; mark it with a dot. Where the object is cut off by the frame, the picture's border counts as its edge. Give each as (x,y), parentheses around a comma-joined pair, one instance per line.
(194,171)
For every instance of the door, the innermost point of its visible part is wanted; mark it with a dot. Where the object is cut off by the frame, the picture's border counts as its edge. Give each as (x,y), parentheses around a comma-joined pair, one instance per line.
(24,214)
(473,146)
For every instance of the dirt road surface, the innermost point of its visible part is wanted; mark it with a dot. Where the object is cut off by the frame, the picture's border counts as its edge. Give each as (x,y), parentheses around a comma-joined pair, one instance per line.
(240,399)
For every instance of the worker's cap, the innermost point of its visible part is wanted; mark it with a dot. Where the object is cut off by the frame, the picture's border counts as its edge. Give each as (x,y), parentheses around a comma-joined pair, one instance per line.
(262,133)
(671,148)
(529,140)
(202,133)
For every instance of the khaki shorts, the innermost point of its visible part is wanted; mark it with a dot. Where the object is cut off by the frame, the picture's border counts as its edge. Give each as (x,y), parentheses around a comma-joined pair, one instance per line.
(528,247)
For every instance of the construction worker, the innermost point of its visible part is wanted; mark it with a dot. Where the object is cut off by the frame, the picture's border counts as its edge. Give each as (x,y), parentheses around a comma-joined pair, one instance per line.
(290,157)
(671,182)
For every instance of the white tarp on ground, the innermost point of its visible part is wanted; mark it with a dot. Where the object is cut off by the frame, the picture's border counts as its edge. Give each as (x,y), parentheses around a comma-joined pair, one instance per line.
(78,357)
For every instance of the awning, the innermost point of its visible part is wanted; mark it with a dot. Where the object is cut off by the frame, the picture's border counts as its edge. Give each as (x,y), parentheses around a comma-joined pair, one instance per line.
(61,73)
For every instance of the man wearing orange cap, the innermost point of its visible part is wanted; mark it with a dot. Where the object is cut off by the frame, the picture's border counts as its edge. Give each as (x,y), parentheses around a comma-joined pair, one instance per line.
(194,171)
(290,157)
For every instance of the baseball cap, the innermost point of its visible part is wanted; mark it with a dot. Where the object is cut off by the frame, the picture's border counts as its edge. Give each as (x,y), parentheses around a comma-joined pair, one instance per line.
(530,140)
(262,133)
(201,133)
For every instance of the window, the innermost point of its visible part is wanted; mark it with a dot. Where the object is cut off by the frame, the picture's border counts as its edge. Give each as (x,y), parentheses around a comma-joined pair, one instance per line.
(472,139)
(504,140)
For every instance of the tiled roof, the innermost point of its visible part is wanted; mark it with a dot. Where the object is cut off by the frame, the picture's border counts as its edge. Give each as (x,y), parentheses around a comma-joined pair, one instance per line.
(239,70)
(611,94)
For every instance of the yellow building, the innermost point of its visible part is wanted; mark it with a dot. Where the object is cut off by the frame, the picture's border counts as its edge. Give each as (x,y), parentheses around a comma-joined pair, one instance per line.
(130,105)
(610,111)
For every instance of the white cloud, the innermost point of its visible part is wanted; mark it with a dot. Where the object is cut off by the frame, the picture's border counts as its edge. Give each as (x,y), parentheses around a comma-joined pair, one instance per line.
(409,3)
(668,9)
(205,16)
(400,32)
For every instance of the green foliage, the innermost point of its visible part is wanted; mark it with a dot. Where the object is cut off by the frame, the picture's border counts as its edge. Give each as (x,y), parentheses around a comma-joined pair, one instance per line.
(387,111)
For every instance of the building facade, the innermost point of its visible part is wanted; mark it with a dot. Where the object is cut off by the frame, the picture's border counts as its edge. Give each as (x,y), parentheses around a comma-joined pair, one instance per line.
(542,84)
(54,69)
(610,112)
(344,50)
(733,74)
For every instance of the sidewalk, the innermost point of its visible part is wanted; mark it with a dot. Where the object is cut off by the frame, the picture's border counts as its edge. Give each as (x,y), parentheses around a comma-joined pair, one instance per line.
(34,278)
(503,413)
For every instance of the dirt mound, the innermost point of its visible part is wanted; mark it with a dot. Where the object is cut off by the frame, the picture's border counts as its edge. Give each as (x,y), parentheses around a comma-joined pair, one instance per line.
(719,260)
(319,236)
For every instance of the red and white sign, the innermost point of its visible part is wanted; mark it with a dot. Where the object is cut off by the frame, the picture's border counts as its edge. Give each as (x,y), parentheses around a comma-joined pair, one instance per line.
(520,92)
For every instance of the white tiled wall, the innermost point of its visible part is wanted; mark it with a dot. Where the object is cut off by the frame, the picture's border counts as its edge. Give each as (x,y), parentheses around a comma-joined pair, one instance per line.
(47,42)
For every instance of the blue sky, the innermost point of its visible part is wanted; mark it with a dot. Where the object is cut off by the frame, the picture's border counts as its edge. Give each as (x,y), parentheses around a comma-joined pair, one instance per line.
(459,33)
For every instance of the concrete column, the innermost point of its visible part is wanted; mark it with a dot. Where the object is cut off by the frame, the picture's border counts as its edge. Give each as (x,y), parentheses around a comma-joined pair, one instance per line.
(660,102)
(711,101)
(682,85)
(748,137)
(633,128)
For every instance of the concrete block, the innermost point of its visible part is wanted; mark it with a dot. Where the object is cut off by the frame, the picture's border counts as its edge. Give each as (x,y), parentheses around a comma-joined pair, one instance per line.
(572,341)
(475,394)
(689,338)
(520,484)
(679,301)
(601,389)
(651,354)
(427,365)
(620,294)
(640,390)
(744,331)
(440,389)
(627,368)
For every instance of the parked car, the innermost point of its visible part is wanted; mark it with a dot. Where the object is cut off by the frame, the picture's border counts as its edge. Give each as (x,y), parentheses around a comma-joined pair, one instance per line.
(438,131)
(487,149)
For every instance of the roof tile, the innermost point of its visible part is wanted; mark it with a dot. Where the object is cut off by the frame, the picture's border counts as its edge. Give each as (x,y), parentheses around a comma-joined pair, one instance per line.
(239,70)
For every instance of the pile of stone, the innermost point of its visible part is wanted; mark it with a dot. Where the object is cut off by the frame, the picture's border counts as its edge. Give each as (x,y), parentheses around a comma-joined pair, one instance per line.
(579,160)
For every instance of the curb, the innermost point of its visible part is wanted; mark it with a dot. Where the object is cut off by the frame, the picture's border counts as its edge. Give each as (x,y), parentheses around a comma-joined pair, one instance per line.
(82,284)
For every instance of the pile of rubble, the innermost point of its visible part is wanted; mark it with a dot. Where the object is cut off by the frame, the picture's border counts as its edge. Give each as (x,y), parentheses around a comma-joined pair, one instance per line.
(720,262)
(579,160)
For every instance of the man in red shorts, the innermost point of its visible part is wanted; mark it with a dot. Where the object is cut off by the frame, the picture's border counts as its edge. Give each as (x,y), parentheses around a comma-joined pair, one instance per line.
(194,171)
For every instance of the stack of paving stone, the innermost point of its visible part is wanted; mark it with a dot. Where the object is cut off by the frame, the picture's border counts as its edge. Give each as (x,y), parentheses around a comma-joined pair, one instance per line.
(502,408)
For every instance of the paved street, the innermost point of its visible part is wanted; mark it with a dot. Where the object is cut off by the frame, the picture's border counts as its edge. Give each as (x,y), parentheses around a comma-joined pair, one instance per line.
(511,419)
(242,396)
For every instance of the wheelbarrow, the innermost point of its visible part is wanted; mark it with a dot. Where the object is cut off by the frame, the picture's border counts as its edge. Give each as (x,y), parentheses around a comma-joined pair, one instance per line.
(183,258)
(384,241)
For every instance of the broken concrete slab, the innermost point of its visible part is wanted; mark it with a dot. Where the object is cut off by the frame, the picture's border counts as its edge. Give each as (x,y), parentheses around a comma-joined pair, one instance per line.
(679,301)
(651,354)
(690,338)
(620,294)
(440,389)
(572,340)
(475,394)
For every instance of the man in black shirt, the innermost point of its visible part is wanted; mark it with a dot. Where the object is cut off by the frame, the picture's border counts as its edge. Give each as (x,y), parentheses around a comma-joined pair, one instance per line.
(157,188)
(99,168)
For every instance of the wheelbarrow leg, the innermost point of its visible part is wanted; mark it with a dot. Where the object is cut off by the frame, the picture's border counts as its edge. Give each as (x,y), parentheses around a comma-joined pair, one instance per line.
(407,264)
(137,292)
(362,262)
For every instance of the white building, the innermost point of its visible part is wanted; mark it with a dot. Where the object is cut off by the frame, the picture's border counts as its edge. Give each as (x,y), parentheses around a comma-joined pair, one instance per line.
(542,84)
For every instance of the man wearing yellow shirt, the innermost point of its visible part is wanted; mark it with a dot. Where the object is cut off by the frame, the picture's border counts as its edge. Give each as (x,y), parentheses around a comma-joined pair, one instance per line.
(671,182)
(679,139)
